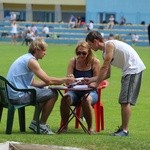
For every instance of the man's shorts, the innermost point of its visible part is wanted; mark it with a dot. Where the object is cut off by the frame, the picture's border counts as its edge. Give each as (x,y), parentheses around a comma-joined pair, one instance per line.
(42,94)
(76,96)
(130,87)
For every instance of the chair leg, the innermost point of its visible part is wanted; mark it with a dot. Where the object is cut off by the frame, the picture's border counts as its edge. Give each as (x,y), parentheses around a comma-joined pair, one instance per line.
(10,119)
(97,117)
(102,116)
(78,113)
(1,111)
(21,115)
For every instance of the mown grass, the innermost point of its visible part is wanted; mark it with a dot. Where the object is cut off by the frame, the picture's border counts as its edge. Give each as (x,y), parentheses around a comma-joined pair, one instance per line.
(55,63)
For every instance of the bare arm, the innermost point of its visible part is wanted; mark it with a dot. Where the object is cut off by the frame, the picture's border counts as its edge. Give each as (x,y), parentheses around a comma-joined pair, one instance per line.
(45,79)
(105,69)
(96,69)
(70,68)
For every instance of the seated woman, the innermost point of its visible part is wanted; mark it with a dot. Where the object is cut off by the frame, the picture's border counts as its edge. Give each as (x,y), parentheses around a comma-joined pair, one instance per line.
(84,64)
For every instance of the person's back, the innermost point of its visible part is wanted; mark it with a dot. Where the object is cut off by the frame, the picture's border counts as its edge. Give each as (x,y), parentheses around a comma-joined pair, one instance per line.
(126,58)
(46,31)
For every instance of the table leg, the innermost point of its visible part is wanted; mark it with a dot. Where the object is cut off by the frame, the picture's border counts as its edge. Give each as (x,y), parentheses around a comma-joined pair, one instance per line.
(71,116)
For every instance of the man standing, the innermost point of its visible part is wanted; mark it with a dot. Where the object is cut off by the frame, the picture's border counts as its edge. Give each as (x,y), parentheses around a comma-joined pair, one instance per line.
(21,75)
(123,56)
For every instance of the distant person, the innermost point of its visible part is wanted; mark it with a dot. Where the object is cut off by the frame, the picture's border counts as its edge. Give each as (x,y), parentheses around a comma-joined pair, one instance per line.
(84,64)
(111,36)
(25,73)
(78,22)
(72,22)
(14,32)
(121,55)
(29,37)
(89,26)
(122,20)
(45,30)
(111,22)
(148,28)
(34,29)
(134,38)
(13,17)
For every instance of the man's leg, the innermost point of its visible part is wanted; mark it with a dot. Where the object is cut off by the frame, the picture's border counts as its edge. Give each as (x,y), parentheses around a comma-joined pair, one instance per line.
(47,109)
(125,115)
(64,110)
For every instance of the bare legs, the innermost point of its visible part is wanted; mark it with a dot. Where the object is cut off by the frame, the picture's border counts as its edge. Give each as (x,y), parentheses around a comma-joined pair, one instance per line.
(125,114)
(86,108)
(14,39)
(45,109)
(87,112)
(64,110)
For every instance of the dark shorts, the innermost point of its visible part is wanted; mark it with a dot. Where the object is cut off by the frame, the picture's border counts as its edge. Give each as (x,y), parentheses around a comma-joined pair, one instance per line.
(130,87)
(42,94)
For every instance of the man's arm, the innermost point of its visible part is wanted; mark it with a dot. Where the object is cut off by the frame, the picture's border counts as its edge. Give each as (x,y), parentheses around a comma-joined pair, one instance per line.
(45,79)
(105,69)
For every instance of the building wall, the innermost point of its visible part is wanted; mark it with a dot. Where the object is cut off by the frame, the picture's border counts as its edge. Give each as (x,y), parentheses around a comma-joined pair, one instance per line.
(49,2)
(134,11)
(47,10)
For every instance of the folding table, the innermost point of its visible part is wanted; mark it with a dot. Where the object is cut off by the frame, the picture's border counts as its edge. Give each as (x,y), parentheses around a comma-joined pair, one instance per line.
(72,114)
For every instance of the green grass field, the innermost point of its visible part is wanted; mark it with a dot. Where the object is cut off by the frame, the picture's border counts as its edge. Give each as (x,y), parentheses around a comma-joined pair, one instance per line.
(55,63)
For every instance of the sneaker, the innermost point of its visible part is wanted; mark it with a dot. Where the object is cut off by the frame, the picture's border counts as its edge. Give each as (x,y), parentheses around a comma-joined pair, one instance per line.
(44,128)
(120,132)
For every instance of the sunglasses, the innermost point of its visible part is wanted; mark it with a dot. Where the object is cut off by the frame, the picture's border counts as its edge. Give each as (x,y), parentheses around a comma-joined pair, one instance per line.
(81,53)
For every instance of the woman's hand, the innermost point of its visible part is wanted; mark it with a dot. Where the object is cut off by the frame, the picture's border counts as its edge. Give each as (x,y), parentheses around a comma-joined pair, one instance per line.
(93,85)
(70,75)
(69,80)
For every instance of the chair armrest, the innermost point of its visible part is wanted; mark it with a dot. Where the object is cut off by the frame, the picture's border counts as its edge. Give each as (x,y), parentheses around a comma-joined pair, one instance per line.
(103,84)
(32,90)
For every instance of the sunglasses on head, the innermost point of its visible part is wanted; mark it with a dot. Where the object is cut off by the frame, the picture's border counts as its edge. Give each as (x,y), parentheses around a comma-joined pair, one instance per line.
(81,53)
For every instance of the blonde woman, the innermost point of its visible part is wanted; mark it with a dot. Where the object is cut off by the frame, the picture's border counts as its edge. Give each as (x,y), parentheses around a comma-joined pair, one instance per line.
(84,64)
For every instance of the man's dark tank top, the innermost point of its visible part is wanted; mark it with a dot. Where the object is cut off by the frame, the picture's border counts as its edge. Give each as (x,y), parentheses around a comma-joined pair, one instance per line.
(78,73)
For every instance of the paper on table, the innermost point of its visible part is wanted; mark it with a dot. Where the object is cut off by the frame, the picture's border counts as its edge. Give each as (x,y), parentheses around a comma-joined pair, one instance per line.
(58,87)
(80,86)
(79,79)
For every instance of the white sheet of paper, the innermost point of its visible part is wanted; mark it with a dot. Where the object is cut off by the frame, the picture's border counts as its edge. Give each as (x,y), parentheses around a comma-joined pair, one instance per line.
(80,86)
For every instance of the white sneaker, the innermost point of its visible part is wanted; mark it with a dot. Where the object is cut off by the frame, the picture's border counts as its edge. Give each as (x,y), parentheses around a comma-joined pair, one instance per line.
(44,128)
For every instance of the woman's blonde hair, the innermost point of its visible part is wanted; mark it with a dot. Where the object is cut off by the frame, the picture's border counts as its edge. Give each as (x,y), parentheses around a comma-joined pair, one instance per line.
(37,44)
(90,56)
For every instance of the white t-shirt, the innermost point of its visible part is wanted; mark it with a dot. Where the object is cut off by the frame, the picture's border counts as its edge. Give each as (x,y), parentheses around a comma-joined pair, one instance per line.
(126,58)
(45,30)
(91,25)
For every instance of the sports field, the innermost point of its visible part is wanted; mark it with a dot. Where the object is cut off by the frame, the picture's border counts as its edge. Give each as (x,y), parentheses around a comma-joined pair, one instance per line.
(55,63)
